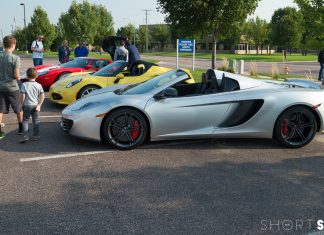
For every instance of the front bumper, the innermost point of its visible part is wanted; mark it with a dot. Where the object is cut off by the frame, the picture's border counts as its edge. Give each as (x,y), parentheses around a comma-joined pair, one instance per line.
(62,96)
(85,125)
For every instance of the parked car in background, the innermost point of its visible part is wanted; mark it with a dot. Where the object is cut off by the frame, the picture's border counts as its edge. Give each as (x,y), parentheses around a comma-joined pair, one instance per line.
(49,74)
(74,87)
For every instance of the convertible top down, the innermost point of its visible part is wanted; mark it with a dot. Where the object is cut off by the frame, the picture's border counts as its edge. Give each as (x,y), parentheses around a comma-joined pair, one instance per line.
(223,105)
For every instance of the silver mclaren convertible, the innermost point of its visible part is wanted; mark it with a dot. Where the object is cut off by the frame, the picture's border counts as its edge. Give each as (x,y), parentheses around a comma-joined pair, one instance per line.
(223,105)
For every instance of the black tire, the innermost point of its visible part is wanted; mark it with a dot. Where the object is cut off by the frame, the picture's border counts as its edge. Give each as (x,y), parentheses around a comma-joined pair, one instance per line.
(295,127)
(60,76)
(125,129)
(87,90)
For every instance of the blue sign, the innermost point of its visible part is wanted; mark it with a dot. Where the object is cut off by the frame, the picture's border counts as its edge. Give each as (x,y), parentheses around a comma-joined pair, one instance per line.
(186,45)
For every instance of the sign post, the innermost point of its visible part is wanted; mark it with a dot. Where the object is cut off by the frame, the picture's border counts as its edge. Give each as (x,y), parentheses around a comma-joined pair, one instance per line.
(186,45)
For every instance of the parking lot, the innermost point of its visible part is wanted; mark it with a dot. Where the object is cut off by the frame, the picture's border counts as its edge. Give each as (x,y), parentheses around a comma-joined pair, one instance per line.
(64,185)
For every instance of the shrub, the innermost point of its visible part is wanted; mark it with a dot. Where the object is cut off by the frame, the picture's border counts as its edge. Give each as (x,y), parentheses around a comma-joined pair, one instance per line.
(253,69)
(275,71)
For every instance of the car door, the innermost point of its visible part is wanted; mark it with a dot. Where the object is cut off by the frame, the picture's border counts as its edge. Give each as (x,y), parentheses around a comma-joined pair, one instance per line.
(192,116)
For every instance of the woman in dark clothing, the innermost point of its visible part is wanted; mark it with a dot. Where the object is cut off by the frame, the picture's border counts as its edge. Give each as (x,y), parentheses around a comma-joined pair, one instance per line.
(64,52)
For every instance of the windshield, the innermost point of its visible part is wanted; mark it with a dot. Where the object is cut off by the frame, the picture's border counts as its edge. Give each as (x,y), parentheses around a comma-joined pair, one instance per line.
(152,84)
(76,63)
(111,69)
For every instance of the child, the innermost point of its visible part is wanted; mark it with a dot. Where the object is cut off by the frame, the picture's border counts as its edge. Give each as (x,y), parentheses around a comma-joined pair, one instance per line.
(31,99)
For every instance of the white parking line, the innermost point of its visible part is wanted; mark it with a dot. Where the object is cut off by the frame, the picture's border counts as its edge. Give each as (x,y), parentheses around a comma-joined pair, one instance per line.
(63,156)
(51,116)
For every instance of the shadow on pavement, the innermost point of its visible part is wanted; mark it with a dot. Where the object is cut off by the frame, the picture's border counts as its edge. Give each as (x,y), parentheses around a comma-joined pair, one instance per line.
(214,198)
(53,141)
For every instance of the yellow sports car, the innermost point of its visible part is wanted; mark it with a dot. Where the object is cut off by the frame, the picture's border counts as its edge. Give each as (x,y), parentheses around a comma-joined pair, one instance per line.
(73,87)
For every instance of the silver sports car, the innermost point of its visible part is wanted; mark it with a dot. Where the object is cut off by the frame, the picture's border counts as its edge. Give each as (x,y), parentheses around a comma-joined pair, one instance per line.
(223,105)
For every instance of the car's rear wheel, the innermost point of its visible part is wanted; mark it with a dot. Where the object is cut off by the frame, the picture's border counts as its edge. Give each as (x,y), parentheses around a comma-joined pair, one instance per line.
(62,75)
(296,127)
(125,128)
(87,90)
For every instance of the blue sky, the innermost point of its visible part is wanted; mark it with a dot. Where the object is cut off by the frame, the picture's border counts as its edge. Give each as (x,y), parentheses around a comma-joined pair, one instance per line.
(123,12)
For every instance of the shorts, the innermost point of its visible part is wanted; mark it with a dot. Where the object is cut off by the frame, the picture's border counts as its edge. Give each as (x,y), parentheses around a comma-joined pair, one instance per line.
(7,99)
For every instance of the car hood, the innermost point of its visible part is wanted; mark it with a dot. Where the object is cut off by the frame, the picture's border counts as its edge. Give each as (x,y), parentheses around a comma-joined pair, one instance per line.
(41,70)
(107,98)
(66,80)
(108,89)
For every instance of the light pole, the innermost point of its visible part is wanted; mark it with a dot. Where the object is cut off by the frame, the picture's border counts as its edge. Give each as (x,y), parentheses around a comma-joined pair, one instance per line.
(134,29)
(23,4)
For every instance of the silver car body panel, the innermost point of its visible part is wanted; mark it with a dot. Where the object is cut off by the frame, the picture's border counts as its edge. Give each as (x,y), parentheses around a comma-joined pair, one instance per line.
(198,116)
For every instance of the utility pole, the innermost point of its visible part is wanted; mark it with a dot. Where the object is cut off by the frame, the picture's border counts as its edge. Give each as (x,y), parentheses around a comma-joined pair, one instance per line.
(23,4)
(146,41)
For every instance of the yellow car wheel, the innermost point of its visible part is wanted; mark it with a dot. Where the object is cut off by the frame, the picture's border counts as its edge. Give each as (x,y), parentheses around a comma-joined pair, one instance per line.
(87,90)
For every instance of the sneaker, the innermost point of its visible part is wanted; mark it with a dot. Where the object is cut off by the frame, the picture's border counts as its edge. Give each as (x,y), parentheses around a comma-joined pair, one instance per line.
(24,139)
(36,137)
(20,132)
(2,135)
(2,125)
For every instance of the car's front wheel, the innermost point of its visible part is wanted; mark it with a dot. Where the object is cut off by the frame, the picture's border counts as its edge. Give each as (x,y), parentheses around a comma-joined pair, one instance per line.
(125,128)
(87,90)
(62,75)
(296,127)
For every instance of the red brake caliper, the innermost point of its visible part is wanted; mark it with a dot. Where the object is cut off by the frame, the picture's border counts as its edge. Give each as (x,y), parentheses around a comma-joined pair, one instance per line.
(284,127)
(136,131)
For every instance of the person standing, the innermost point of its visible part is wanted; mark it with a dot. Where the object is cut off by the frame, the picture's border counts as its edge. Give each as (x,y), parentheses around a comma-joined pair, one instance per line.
(81,50)
(37,48)
(31,99)
(121,53)
(321,62)
(134,55)
(64,52)
(9,75)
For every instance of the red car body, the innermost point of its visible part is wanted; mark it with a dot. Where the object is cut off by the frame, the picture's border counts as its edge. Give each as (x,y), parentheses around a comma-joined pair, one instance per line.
(48,74)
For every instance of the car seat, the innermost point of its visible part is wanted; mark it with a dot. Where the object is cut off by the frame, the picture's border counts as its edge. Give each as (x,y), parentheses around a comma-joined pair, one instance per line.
(229,84)
(140,69)
(212,84)
(202,86)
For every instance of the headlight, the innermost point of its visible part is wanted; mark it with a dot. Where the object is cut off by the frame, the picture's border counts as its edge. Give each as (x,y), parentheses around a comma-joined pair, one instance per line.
(84,106)
(43,73)
(73,83)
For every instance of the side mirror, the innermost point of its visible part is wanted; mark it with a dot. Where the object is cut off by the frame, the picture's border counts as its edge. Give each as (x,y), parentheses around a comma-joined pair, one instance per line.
(120,76)
(167,93)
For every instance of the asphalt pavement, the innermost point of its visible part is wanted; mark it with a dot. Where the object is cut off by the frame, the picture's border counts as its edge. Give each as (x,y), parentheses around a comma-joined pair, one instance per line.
(65,185)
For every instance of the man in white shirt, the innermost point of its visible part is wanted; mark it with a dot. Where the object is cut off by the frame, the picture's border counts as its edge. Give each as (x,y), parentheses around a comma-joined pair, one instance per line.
(121,52)
(37,48)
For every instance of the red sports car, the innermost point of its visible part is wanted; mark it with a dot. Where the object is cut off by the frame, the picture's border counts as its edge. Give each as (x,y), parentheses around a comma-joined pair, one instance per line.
(48,74)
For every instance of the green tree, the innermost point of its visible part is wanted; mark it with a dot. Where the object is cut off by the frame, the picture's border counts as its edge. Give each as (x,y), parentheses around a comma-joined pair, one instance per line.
(261,33)
(141,32)
(85,21)
(105,25)
(313,24)
(20,35)
(40,24)
(210,17)
(161,33)
(257,32)
(285,28)
(127,31)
